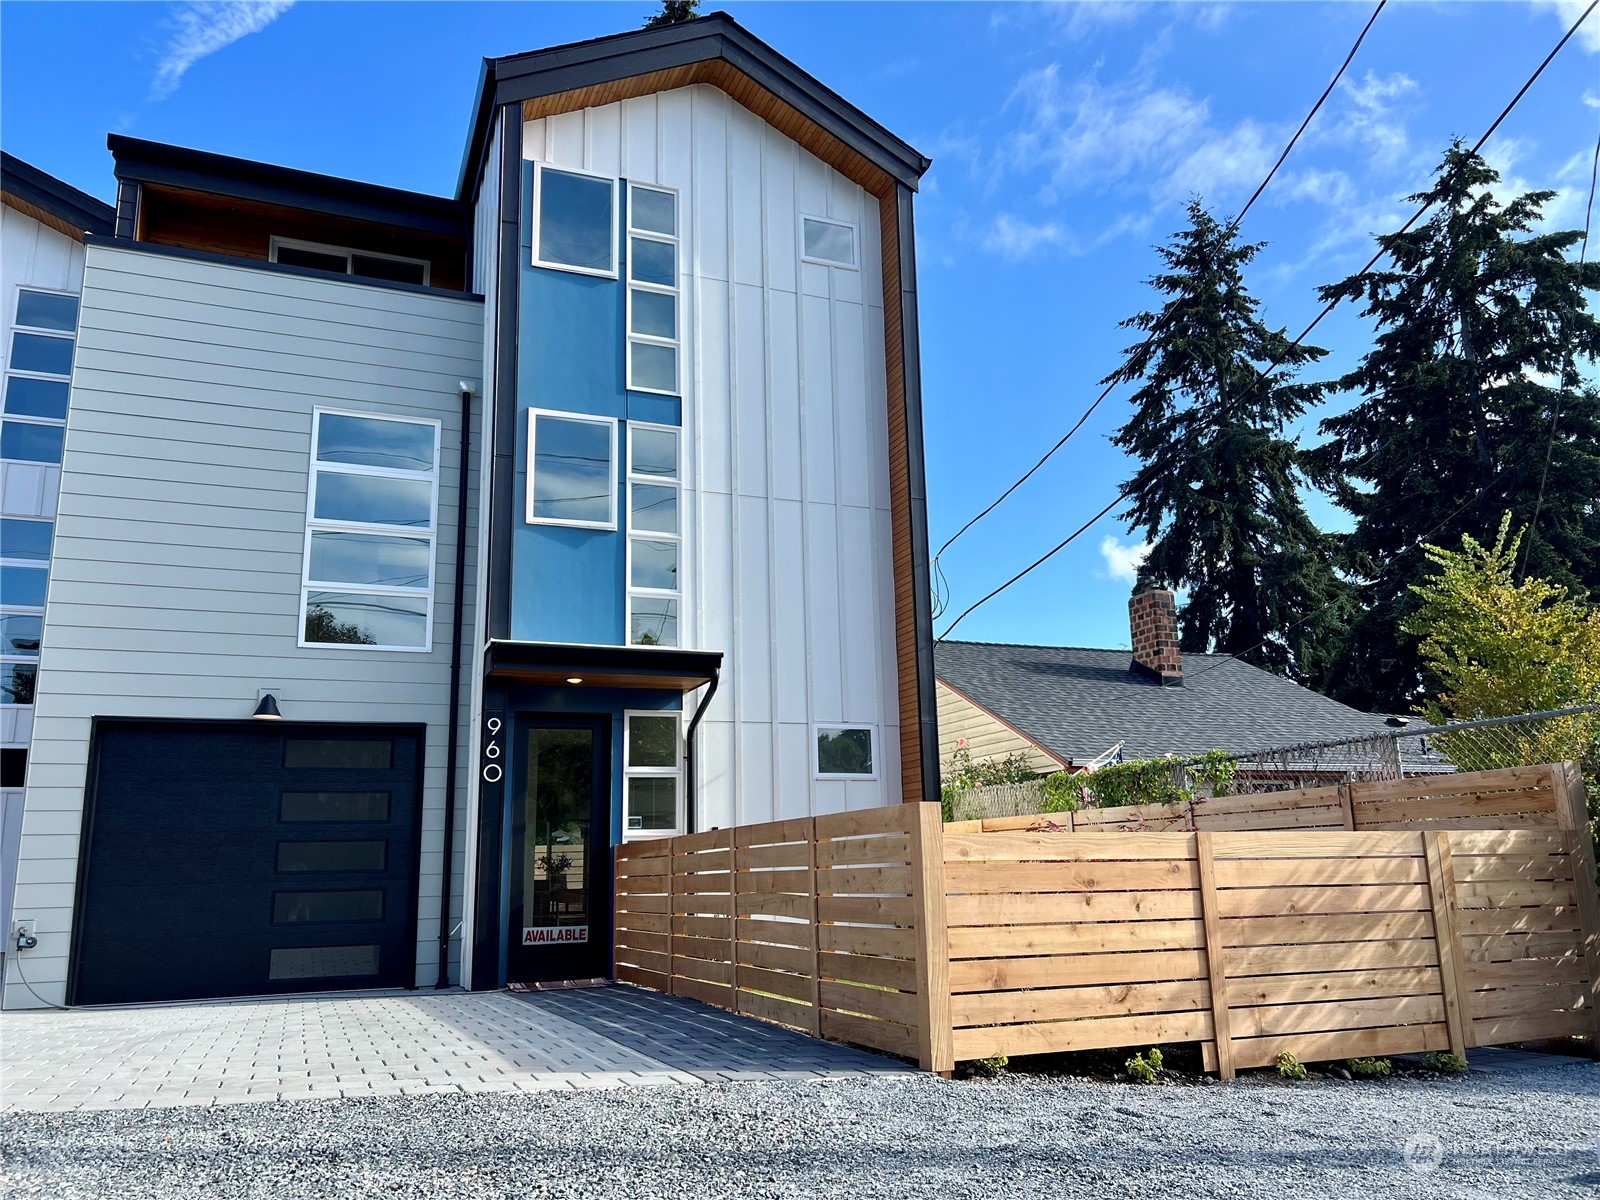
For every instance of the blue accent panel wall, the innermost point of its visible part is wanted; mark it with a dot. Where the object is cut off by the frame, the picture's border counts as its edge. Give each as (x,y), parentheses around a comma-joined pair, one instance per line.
(567,585)
(655,410)
(611,702)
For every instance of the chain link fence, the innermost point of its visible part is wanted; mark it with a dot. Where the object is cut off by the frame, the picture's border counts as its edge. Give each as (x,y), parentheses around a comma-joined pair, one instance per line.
(1410,746)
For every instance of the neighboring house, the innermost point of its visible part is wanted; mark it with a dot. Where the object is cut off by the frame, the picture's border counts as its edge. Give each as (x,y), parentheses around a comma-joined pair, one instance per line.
(584,505)
(42,228)
(1065,707)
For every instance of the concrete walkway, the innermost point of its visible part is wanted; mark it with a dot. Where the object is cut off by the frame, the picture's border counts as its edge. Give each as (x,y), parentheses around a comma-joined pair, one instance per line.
(396,1043)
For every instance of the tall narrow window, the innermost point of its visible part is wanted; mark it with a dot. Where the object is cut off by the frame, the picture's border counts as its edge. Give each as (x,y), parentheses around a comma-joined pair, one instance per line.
(652,769)
(38,376)
(574,222)
(370,532)
(655,536)
(653,316)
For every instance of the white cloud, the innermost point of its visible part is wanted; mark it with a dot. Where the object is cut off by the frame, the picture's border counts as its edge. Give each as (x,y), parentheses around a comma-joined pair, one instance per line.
(1016,239)
(1123,562)
(1568,11)
(203,27)
(1371,118)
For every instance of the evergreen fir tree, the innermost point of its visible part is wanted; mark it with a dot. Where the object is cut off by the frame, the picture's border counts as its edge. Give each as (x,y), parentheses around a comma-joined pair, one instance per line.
(673,12)
(1217,492)
(1473,383)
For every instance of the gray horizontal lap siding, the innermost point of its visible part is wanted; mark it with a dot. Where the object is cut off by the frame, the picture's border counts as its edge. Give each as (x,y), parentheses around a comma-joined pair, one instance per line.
(175,585)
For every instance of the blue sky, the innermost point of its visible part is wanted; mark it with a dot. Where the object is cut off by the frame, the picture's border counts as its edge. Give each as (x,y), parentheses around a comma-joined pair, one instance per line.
(1066,139)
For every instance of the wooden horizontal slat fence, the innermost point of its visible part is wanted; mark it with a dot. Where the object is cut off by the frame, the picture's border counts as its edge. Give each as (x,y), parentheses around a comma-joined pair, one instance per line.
(949,943)
(816,923)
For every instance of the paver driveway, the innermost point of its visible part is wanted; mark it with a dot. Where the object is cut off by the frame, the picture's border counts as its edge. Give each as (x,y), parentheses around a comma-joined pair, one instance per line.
(398,1043)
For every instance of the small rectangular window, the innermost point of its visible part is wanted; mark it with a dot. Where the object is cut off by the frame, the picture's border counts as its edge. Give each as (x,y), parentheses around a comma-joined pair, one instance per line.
(326,908)
(24,539)
(571,470)
(13,766)
(338,754)
(394,270)
(655,544)
(23,587)
(334,806)
(333,856)
(575,225)
(20,634)
(41,354)
(364,264)
(28,397)
(653,773)
(394,445)
(294,256)
(27,442)
(16,682)
(47,310)
(323,962)
(370,558)
(845,752)
(653,321)
(829,242)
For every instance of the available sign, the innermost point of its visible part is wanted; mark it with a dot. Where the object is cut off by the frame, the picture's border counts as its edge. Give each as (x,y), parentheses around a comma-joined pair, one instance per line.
(547,935)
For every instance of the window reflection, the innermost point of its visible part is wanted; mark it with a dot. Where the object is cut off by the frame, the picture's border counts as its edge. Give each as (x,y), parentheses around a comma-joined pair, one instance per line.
(575,221)
(572,471)
(374,499)
(398,445)
(369,558)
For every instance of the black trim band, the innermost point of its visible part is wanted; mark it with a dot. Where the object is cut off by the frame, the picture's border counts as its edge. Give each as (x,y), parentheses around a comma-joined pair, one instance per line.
(31,185)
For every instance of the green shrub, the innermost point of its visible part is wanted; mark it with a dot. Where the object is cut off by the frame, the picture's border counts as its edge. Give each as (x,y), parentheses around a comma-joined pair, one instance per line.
(1444,1062)
(1158,780)
(1063,792)
(1368,1068)
(1142,1068)
(990,1068)
(1290,1067)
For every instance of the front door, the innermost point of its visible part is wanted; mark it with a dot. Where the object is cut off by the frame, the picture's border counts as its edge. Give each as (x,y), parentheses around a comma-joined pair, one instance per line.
(560,909)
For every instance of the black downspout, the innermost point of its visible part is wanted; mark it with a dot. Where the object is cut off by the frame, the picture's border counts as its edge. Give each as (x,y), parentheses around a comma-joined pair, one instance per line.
(688,751)
(453,751)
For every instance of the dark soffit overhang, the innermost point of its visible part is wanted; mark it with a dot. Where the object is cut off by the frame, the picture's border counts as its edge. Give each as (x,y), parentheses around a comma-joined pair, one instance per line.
(224,175)
(554,663)
(715,37)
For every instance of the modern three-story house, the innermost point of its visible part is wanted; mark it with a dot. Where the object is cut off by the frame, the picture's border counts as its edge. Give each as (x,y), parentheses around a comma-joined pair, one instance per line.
(411,552)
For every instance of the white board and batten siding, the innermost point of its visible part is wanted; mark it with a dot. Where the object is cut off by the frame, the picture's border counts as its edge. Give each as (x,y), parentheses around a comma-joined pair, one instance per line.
(786,499)
(175,585)
(32,255)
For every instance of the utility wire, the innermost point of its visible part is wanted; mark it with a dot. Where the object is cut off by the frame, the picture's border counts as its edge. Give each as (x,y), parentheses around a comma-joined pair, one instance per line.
(1260,375)
(1062,545)
(1232,226)
(1555,415)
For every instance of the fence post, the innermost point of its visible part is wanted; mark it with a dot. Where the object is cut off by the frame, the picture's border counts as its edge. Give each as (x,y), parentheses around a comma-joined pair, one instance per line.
(816,930)
(733,912)
(1452,965)
(1215,967)
(672,917)
(935,1035)
(1347,801)
(1572,812)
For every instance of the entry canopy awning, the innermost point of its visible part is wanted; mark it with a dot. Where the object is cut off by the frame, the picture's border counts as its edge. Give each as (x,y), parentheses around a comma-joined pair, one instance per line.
(559,664)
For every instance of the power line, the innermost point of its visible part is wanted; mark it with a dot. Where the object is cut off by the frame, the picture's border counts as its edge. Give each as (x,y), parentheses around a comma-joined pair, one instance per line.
(1555,414)
(1260,375)
(1062,545)
(1232,226)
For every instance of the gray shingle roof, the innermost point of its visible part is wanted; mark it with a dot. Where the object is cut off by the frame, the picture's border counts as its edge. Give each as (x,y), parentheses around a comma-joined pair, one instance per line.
(1077,703)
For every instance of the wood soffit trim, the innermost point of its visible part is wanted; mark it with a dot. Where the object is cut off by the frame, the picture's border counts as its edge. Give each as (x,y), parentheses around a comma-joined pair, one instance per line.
(40,215)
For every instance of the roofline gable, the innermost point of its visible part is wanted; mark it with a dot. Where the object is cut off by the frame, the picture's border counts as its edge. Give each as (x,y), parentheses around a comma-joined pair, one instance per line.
(78,212)
(712,49)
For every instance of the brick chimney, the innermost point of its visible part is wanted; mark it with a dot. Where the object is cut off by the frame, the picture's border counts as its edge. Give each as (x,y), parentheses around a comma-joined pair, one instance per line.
(1153,618)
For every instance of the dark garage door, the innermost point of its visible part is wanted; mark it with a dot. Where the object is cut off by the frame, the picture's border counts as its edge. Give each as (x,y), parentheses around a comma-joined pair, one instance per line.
(243,858)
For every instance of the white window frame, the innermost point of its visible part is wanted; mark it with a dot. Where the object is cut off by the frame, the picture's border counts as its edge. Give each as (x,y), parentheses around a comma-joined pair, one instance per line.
(11,331)
(676,242)
(629,771)
(855,249)
(349,253)
(533,444)
(646,535)
(539,168)
(817,727)
(315,524)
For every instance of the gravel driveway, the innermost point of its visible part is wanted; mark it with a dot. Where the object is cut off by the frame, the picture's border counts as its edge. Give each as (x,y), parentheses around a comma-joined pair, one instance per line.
(1529,1134)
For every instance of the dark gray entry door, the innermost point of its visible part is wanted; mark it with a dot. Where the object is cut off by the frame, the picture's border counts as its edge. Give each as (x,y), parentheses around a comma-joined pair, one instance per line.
(247,858)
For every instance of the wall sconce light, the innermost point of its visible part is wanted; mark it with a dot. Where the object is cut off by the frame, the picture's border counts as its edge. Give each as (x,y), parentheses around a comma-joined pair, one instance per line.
(267,709)
(574,679)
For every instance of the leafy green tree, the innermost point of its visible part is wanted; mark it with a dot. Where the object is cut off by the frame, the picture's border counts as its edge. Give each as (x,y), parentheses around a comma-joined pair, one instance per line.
(1471,397)
(323,627)
(673,12)
(1217,491)
(1494,647)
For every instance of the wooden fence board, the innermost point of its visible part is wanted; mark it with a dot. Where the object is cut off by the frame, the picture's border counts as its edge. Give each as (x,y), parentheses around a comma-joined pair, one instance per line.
(1053,908)
(1001,974)
(1333,985)
(1073,1003)
(1357,898)
(1352,1043)
(1339,956)
(1330,1017)
(1319,872)
(1279,931)
(888,850)
(990,877)
(889,1036)
(897,973)
(1089,938)
(774,983)
(1048,847)
(1055,1036)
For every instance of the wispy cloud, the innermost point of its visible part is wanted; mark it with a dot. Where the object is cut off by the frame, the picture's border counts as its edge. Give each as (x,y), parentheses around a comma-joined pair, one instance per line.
(203,27)
(1015,239)
(1123,562)
(1568,11)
